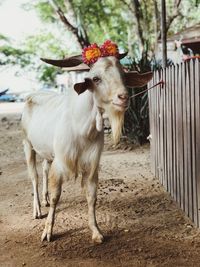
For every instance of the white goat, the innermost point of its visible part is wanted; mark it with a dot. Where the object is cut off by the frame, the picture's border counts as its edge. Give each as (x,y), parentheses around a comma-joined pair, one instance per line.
(67,131)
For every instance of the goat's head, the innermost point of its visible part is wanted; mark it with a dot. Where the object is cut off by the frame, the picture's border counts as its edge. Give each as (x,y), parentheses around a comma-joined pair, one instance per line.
(108,82)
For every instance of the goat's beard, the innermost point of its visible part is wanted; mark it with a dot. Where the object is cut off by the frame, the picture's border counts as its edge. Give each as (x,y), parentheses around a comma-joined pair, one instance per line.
(116,119)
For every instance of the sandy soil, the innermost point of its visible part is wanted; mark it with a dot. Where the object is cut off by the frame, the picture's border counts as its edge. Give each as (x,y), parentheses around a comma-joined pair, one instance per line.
(141,223)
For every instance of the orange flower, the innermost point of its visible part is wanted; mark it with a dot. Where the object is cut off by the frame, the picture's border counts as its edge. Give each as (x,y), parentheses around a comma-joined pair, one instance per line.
(91,54)
(109,49)
(94,53)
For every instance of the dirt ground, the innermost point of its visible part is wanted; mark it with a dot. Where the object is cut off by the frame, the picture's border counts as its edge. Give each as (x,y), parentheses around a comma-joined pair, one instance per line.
(141,223)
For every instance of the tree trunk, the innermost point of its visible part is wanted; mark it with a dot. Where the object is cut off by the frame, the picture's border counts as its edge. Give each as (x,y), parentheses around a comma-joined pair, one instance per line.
(163,33)
(138,19)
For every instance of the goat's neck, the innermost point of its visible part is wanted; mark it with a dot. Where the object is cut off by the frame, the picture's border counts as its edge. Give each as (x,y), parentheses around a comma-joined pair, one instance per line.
(88,116)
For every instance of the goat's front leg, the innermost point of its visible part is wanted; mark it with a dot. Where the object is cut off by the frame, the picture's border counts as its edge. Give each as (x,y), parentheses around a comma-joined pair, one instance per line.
(31,164)
(45,167)
(91,195)
(55,184)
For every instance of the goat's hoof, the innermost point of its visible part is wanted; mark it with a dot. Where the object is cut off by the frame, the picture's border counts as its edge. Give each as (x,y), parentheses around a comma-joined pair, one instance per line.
(37,216)
(97,238)
(37,211)
(45,203)
(46,236)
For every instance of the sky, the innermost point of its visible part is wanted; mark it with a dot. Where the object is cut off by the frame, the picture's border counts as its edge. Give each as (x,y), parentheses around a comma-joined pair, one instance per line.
(16,23)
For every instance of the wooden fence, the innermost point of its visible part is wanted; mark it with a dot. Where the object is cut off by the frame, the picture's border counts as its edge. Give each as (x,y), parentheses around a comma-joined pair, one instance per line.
(175,133)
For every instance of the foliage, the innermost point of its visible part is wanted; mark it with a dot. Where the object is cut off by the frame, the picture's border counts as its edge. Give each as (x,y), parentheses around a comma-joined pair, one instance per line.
(47,75)
(104,18)
(27,57)
(44,9)
(136,123)
(189,15)
(49,46)
(4,38)
(99,19)
(10,54)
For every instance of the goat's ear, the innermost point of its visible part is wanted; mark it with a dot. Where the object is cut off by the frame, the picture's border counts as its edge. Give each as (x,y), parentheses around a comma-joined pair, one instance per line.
(82,87)
(135,79)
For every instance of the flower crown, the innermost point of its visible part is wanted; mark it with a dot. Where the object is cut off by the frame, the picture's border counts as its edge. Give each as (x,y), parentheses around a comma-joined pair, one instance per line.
(91,53)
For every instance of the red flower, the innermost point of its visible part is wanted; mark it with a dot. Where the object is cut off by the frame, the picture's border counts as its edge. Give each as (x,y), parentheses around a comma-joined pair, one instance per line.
(109,48)
(91,54)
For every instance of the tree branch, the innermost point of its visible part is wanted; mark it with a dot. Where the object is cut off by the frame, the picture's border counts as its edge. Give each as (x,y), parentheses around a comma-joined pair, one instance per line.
(82,33)
(170,19)
(128,5)
(176,13)
(139,16)
(83,41)
(157,17)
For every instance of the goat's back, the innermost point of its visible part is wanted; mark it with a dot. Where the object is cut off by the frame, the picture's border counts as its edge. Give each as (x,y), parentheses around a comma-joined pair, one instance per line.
(41,115)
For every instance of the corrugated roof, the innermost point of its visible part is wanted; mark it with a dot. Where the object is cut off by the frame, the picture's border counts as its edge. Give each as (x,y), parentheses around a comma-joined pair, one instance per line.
(190,34)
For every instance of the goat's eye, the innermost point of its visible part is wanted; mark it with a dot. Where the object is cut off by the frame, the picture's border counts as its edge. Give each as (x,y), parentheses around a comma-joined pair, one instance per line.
(96,79)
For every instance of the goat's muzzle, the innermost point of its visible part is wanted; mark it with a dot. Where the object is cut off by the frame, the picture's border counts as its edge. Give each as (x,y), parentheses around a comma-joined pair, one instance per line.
(121,102)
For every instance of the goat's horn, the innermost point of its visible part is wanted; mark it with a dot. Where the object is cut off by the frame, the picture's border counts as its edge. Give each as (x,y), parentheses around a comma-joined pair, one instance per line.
(66,62)
(81,67)
(122,55)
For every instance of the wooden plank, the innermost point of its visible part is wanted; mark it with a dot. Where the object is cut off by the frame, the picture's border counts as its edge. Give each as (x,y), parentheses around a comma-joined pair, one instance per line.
(158,126)
(154,127)
(165,132)
(153,130)
(150,123)
(174,128)
(168,112)
(188,145)
(177,121)
(197,113)
(180,135)
(170,137)
(193,142)
(161,131)
(167,129)
(152,142)
(185,139)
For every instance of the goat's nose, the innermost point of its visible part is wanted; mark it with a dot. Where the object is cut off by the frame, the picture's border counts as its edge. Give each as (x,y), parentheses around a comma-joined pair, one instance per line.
(123,97)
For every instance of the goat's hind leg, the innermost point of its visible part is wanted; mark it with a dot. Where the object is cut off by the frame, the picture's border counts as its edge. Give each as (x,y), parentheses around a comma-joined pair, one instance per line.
(45,197)
(55,183)
(30,155)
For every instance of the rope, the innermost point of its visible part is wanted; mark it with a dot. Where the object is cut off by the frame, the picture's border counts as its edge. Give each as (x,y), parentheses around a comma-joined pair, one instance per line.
(160,82)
